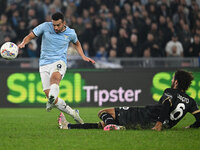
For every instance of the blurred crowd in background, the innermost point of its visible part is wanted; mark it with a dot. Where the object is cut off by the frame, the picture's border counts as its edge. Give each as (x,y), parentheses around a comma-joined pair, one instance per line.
(110,28)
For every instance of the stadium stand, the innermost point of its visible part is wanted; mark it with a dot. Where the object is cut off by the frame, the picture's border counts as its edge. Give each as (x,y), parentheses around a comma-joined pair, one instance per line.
(111,28)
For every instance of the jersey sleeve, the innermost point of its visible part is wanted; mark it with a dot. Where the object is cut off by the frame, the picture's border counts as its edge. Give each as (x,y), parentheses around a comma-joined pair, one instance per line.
(194,107)
(74,37)
(167,96)
(196,124)
(196,112)
(39,29)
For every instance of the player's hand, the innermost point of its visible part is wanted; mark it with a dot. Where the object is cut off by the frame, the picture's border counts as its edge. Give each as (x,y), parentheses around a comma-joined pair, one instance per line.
(21,45)
(158,126)
(89,60)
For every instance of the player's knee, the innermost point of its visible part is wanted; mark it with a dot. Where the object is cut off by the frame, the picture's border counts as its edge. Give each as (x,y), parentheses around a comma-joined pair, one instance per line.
(101,112)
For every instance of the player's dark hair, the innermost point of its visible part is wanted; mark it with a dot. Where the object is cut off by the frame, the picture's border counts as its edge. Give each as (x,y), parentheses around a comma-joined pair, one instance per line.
(58,15)
(184,79)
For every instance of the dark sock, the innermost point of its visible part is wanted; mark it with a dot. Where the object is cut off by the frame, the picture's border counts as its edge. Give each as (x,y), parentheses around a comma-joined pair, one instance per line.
(107,118)
(85,126)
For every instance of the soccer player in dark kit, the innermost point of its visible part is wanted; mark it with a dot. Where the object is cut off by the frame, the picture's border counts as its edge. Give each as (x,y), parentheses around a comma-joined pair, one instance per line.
(172,107)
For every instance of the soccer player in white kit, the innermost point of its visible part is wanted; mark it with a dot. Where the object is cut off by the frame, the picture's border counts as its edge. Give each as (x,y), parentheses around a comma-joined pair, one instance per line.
(56,37)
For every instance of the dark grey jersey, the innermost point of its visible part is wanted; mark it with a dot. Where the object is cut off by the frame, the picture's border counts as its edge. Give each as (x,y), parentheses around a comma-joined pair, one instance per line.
(180,104)
(171,108)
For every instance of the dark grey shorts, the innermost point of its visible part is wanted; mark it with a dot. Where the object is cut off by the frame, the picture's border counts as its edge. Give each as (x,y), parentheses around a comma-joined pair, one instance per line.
(136,117)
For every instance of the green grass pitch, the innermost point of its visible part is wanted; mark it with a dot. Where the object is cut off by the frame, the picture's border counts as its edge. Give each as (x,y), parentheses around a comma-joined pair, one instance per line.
(36,129)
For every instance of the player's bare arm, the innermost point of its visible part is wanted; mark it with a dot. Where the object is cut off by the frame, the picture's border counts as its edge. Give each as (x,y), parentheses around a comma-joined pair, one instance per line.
(26,40)
(80,51)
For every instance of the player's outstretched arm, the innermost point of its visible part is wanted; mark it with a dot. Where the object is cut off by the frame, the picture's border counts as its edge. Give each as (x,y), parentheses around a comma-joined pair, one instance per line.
(26,40)
(80,51)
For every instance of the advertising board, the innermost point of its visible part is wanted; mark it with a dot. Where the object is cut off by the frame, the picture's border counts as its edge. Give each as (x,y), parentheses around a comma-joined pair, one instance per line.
(92,87)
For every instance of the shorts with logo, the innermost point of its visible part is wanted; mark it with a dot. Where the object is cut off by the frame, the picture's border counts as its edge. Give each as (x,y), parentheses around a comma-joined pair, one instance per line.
(137,117)
(47,70)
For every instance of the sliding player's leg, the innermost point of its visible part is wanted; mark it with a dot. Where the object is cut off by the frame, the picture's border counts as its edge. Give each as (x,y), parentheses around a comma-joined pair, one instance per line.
(64,124)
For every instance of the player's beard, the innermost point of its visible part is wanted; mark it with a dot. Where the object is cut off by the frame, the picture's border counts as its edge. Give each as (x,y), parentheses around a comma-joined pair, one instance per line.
(59,31)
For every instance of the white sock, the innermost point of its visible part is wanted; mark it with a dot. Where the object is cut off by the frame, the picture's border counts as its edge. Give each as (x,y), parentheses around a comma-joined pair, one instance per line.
(54,91)
(61,105)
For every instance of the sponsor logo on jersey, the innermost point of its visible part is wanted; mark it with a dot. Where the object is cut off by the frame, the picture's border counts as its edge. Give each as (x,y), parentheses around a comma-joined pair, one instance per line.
(66,37)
